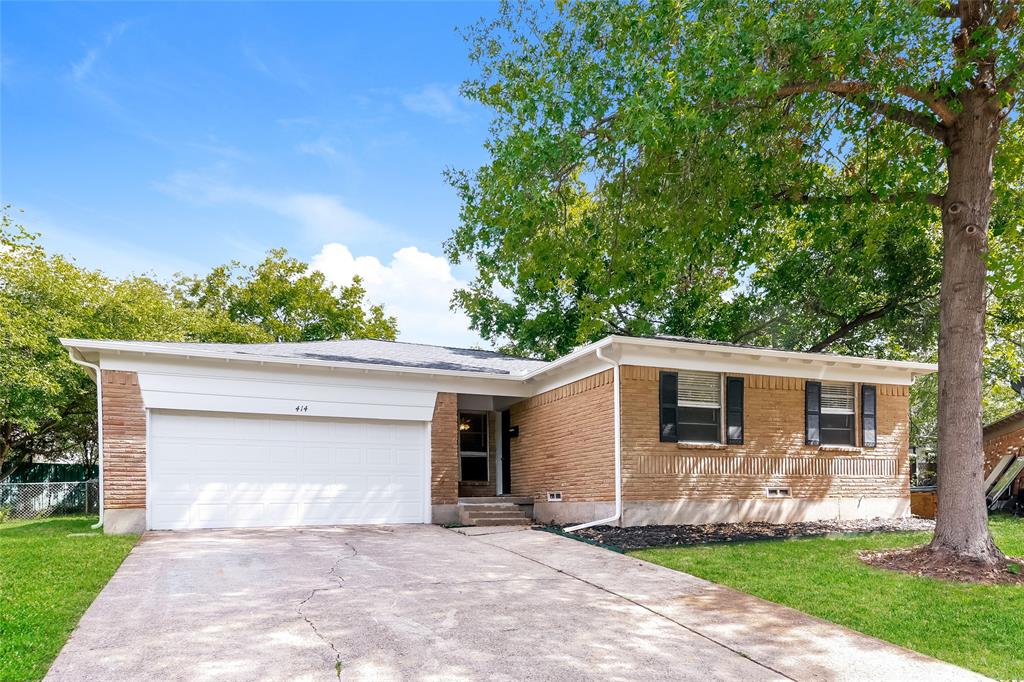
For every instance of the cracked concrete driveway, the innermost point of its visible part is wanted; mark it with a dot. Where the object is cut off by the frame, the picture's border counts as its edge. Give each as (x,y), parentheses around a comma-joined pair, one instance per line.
(426,603)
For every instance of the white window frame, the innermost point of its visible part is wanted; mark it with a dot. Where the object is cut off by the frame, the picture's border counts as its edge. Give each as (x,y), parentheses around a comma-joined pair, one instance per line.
(720,407)
(854,410)
(473,453)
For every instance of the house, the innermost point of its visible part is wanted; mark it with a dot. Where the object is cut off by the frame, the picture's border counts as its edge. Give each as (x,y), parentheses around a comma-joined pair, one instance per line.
(1004,442)
(625,430)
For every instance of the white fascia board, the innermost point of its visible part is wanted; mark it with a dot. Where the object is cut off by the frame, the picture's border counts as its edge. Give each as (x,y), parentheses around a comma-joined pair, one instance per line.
(577,365)
(706,357)
(581,367)
(335,376)
(120,355)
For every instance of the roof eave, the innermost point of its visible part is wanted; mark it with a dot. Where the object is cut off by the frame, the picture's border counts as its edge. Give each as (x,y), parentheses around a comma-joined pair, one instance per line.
(849,360)
(142,349)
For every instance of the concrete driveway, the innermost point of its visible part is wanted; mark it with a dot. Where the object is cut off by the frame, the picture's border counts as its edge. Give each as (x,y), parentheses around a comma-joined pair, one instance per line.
(426,603)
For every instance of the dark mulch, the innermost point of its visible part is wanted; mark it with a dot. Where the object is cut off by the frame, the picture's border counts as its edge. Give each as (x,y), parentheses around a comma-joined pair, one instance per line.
(643,537)
(922,561)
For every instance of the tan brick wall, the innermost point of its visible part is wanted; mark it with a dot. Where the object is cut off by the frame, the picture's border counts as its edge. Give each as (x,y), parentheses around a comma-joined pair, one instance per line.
(773,453)
(124,442)
(566,442)
(1002,444)
(444,450)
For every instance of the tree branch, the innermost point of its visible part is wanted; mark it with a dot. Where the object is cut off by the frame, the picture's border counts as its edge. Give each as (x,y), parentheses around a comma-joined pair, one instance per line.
(926,124)
(848,327)
(862,319)
(846,88)
(929,198)
(1008,17)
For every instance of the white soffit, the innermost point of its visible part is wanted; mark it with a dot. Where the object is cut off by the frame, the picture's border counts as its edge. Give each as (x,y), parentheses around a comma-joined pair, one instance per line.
(581,363)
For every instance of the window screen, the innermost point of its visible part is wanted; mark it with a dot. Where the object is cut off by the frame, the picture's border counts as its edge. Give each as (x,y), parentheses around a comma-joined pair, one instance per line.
(700,407)
(837,398)
(837,408)
(700,389)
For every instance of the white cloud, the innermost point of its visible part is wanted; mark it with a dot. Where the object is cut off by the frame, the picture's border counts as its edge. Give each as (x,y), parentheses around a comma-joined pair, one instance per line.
(90,248)
(443,102)
(276,68)
(416,287)
(322,147)
(323,216)
(83,68)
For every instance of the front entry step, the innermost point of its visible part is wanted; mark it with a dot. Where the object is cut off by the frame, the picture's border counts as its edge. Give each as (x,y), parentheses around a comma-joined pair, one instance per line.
(500,499)
(489,511)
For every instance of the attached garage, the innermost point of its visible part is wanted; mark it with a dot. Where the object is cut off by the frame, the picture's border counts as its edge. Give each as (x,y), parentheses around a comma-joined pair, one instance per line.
(224,470)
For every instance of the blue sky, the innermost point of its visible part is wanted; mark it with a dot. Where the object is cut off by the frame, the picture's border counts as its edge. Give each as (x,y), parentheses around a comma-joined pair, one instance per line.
(153,137)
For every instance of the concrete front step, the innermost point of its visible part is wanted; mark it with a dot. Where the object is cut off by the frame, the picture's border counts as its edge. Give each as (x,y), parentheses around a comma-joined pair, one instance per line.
(481,508)
(491,511)
(500,499)
(509,521)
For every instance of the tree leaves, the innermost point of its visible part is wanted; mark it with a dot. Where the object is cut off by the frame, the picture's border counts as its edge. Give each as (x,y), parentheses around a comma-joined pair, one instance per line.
(47,403)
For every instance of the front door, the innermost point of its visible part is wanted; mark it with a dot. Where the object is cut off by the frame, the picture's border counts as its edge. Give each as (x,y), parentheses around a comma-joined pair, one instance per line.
(506,453)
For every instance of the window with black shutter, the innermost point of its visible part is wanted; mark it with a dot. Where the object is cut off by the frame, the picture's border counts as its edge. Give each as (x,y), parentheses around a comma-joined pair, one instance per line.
(837,413)
(699,407)
(669,406)
(868,431)
(734,410)
(812,412)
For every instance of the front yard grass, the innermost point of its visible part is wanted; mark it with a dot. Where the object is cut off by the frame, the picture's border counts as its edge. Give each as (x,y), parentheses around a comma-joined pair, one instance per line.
(50,571)
(980,627)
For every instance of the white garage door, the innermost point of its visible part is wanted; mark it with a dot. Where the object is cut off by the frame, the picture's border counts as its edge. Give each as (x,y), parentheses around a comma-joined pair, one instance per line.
(234,471)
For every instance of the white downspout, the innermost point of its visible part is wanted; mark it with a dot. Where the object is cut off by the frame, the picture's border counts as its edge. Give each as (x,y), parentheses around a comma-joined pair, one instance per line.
(618,449)
(94,371)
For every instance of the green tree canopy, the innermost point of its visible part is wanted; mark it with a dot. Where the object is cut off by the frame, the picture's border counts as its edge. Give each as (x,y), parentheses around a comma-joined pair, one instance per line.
(808,173)
(287,300)
(45,399)
(48,404)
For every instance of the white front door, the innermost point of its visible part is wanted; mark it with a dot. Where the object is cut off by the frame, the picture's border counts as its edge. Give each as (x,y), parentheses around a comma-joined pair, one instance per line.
(210,470)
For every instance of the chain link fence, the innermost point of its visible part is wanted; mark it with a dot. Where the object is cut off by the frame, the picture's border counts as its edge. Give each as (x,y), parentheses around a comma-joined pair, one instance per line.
(37,500)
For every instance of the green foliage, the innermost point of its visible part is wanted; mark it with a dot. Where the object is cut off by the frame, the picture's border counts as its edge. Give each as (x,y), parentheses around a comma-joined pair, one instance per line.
(47,403)
(684,168)
(285,299)
(974,626)
(50,571)
(44,298)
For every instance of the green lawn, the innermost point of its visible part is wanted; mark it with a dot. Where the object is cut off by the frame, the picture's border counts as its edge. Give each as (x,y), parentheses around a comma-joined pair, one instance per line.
(50,571)
(975,626)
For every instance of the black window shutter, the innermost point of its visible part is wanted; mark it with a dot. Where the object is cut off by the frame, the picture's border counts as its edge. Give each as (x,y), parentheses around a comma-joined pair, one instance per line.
(812,412)
(669,407)
(734,410)
(869,437)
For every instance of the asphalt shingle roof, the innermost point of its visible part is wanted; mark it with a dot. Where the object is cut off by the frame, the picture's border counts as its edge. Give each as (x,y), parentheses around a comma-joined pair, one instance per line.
(373,352)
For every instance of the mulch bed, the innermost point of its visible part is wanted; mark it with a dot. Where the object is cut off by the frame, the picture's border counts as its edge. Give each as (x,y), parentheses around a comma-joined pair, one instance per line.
(922,561)
(643,537)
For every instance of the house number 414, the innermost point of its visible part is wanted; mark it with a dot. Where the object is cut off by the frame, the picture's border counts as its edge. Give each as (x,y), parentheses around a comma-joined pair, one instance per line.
(302,408)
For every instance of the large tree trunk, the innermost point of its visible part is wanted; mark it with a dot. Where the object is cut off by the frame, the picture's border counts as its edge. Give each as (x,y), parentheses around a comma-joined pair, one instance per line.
(962,520)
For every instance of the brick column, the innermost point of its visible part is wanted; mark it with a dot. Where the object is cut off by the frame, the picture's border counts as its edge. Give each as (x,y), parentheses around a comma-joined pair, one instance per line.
(124,453)
(444,452)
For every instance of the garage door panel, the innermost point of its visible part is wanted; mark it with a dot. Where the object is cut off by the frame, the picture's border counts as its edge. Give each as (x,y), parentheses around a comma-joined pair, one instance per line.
(232,471)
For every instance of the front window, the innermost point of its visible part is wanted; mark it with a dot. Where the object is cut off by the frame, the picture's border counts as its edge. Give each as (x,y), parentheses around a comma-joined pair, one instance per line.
(700,407)
(473,446)
(837,410)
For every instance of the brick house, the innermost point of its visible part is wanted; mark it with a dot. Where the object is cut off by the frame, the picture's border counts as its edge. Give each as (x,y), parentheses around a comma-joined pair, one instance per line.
(624,430)
(1005,439)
